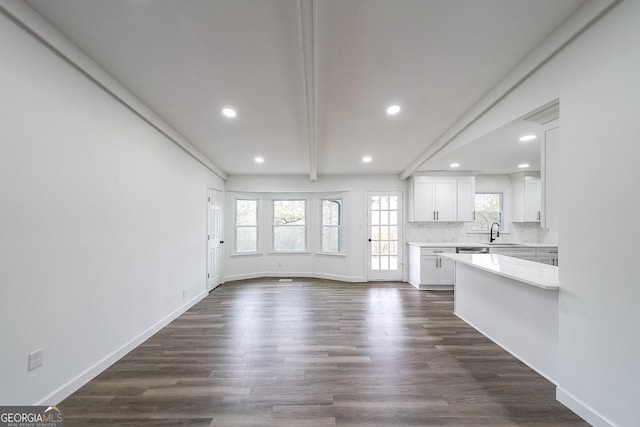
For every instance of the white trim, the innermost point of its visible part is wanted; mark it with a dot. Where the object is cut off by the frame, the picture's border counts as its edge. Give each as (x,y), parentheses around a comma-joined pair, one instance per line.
(241,254)
(303,275)
(330,254)
(74,384)
(581,409)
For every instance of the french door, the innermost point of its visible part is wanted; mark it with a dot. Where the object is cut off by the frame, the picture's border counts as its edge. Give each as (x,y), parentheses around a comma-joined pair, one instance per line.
(214,239)
(384,228)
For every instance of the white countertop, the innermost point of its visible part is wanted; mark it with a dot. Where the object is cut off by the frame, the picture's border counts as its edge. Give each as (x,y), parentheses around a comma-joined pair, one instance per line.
(533,273)
(480,245)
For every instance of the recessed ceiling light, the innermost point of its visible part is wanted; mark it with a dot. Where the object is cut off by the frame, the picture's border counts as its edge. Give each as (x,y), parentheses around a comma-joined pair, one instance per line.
(526,138)
(523,165)
(393,110)
(366,159)
(259,160)
(229,112)
(454,165)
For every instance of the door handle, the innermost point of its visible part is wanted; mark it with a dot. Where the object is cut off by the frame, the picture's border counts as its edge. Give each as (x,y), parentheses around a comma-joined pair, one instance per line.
(434,215)
(221,241)
(369,239)
(438,215)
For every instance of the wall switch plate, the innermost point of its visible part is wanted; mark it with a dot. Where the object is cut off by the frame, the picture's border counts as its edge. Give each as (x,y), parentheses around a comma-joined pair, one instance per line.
(184,294)
(35,358)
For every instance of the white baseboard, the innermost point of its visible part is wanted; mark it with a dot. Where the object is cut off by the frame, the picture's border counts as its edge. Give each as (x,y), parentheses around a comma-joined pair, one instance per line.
(514,354)
(74,384)
(353,279)
(583,410)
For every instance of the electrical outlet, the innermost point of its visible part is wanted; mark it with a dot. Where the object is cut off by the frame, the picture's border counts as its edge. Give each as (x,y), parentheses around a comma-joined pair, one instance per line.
(184,294)
(35,358)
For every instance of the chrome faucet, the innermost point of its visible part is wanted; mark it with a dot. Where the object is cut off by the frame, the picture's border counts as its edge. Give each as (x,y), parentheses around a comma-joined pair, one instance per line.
(491,238)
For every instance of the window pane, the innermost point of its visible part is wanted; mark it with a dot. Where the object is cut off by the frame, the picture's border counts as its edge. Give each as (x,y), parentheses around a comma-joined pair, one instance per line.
(375,263)
(488,209)
(375,203)
(393,217)
(384,263)
(246,239)
(289,238)
(246,212)
(393,202)
(384,202)
(331,212)
(289,212)
(375,248)
(393,247)
(375,233)
(384,233)
(330,239)
(384,217)
(375,217)
(393,263)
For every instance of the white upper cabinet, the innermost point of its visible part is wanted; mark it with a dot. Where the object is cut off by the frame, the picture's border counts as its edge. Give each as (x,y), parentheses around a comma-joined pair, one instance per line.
(439,199)
(527,197)
(466,199)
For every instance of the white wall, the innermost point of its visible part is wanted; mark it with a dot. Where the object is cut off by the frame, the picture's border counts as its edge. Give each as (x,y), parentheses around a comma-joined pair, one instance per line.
(352,190)
(596,80)
(102,224)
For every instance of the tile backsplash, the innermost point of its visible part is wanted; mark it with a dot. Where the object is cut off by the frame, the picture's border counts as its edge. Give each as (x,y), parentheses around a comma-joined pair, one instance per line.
(457,232)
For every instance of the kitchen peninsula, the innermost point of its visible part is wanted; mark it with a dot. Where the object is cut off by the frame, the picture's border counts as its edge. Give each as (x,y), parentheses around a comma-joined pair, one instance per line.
(512,301)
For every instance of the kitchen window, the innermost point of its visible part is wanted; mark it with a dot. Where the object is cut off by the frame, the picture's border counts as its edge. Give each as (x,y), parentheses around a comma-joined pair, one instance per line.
(331,226)
(488,209)
(246,226)
(289,226)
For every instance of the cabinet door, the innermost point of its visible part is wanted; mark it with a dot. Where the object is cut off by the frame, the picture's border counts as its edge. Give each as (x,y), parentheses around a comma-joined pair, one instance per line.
(424,191)
(428,270)
(532,199)
(446,272)
(446,199)
(466,199)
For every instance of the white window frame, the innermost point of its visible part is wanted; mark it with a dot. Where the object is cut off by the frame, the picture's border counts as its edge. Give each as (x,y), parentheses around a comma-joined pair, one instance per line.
(503,227)
(274,225)
(235,225)
(339,226)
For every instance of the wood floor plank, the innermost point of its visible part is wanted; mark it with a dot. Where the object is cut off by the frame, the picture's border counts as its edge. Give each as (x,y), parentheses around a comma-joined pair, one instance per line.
(318,353)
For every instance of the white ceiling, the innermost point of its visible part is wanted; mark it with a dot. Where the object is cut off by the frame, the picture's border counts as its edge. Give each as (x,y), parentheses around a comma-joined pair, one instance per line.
(310,79)
(499,152)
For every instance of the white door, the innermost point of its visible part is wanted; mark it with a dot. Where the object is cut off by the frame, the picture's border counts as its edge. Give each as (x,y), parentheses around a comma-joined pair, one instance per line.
(384,226)
(214,239)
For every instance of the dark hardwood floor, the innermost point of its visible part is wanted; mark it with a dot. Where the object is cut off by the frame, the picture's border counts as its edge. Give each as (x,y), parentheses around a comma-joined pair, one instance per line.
(318,353)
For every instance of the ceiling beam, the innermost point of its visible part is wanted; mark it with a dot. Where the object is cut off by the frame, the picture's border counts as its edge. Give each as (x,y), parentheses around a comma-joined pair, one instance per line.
(307,28)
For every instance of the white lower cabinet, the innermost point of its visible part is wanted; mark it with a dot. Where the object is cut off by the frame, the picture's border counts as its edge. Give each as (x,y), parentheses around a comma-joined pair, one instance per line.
(547,256)
(522,253)
(430,271)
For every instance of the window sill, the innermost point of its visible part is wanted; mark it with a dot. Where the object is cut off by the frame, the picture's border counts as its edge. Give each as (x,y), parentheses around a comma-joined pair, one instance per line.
(332,254)
(289,253)
(245,254)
